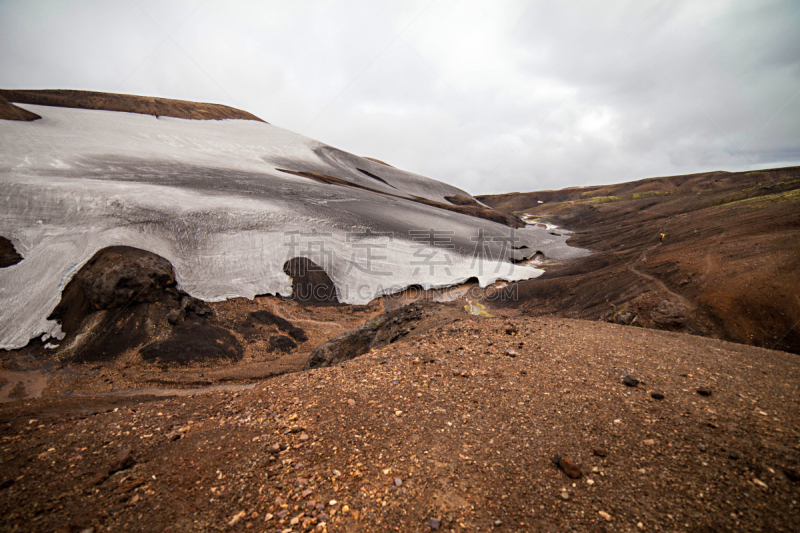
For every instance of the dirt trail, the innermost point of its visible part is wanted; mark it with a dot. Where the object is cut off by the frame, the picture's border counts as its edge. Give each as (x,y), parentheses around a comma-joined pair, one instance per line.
(688,304)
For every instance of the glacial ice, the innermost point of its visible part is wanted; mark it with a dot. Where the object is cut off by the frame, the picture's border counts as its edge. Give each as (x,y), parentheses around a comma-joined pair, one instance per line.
(206,196)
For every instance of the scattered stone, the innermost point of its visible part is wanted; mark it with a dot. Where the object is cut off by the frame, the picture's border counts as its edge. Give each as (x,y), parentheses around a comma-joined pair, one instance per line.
(760,483)
(649,442)
(511,329)
(176,316)
(511,353)
(701,447)
(735,455)
(630,381)
(656,395)
(129,486)
(351,402)
(498,523)
(600,452)
(564,495)
(398,482)
(704,391)
(605,515)
(568,466)
(123,461)
(435,523)
(174,435)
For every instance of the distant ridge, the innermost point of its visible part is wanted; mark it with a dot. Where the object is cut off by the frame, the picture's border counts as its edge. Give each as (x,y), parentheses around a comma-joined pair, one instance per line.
(127,103)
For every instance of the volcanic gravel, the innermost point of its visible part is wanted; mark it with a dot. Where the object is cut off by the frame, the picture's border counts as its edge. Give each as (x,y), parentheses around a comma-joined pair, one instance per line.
(473,426)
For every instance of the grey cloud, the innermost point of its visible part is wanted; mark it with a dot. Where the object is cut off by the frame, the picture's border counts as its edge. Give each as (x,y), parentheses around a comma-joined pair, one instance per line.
(489,97)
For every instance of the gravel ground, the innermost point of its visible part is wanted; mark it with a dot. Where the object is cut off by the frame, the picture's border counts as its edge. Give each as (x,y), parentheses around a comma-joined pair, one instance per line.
(454,430)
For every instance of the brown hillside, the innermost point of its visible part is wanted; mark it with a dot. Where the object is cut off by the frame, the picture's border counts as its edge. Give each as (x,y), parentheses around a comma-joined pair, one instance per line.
(128,103)
(729,266)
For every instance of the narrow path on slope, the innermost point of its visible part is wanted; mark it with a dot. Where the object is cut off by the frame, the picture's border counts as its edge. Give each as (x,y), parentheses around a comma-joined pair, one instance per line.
(688,304)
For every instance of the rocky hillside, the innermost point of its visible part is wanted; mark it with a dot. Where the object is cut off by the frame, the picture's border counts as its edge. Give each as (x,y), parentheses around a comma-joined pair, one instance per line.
(728,266)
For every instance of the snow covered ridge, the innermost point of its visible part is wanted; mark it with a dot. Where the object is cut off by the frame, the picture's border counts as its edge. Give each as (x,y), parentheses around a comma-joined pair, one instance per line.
(207,196)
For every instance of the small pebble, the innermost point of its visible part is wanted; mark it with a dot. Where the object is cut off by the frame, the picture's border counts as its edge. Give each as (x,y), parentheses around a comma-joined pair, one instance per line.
(656,396)
(630,381)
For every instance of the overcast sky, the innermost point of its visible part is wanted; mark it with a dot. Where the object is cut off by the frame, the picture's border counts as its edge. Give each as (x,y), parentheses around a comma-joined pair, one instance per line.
(488,96)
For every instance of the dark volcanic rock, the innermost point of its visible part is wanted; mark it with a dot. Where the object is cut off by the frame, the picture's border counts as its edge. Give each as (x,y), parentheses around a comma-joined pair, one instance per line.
(310,283)
(106,305)
(379,331)
(8,254)
(630,381)
(194,341)
(269,319)
(198,307)
(176,316)
(119,276)
(282,343)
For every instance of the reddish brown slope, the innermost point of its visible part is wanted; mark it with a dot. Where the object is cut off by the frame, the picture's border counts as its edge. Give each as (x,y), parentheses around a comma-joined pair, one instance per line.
(729,266)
